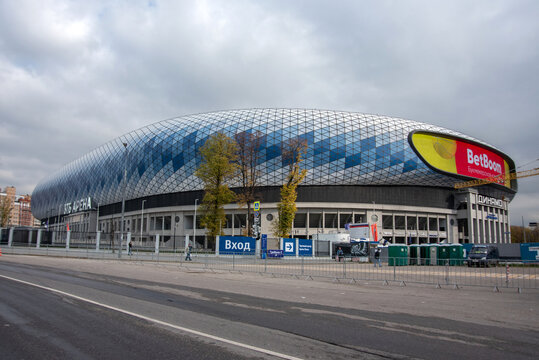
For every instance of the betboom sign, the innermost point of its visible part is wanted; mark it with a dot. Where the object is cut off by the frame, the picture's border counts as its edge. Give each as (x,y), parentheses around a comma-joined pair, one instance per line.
(459,156)
(238,245)
(83,204)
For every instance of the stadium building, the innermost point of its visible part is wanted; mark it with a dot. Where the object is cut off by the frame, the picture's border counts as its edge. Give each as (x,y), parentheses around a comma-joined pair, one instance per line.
(393,173)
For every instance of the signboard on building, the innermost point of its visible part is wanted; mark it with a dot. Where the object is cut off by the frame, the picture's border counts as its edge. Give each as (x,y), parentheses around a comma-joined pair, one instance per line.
(529,252)
(490,201)
(289,247)
(275,253)
(263,245)
(305,247)
(76,206)
(459,156)
(359,231)
(238,245)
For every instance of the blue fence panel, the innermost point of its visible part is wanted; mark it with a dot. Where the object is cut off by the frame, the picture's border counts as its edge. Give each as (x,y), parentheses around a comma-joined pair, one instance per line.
(305,247)
(529,251)
(289,247)
(239,245)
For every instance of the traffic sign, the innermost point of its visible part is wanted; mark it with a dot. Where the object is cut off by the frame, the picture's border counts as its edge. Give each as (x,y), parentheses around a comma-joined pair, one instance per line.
(256,205)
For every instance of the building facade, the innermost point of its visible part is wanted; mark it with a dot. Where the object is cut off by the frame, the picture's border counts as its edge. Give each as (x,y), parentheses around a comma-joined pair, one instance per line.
(395,174)
(20,213)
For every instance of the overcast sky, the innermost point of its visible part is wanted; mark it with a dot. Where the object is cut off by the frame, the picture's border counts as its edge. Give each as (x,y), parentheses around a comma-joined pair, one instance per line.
(76,74)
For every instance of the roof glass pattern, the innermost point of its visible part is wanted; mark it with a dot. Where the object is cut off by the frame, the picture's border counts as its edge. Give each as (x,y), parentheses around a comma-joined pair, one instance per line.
(344,148)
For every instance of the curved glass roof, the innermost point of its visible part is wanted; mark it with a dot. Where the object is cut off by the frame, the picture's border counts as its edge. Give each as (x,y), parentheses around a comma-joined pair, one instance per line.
(344,148)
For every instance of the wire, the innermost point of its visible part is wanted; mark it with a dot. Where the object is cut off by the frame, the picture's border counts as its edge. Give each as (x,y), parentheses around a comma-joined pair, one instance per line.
(518,167)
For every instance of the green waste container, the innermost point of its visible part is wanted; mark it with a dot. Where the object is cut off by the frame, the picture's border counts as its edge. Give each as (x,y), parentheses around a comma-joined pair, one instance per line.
(456,254)
(415,254)
(443,254)
(397,255)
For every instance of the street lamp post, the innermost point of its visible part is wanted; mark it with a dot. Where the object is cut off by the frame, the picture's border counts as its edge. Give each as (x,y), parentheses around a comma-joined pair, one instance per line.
(123,203)
(195,224)
(141,220)
(58,221)
(97,219)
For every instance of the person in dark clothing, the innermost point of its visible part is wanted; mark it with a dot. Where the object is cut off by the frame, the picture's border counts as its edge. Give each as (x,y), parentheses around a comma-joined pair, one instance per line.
(188,253)
(377,255)
(340,254)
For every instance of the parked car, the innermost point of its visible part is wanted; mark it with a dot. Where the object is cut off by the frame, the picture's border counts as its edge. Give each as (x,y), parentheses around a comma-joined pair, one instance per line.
(483,255)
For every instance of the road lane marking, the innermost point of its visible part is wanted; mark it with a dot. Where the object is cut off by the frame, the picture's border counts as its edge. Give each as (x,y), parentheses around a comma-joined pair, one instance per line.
(181,328)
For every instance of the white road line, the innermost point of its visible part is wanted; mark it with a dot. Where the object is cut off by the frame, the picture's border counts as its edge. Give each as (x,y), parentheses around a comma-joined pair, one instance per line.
(191,331)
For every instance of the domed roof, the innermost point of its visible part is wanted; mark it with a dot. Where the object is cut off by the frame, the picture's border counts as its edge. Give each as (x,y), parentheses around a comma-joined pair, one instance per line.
(344,148)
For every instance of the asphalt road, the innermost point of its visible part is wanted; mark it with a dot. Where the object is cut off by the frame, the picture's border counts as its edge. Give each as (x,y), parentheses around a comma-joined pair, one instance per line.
(89,309)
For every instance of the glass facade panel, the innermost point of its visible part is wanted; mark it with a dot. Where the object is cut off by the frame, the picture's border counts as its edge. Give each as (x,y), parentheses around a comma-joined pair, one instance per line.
(344,148)
(315,220)
(387,221)
(330,220)
(344,218)
(433,224)
(422,223)
(359,218)
(300,220)
(399,222)
(411,223)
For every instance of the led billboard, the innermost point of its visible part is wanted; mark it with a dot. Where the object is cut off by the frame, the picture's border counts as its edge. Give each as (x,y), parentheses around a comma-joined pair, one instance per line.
(460,157)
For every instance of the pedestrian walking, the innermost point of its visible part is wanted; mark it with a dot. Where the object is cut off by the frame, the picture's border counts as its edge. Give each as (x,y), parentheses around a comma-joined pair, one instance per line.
(188,253)
(377,254)
(130,247)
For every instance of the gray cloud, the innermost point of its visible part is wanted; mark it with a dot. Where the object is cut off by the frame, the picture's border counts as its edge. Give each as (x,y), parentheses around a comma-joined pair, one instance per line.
(74,75)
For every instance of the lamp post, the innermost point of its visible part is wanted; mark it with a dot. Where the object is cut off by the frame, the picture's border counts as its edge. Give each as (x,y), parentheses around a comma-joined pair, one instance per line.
(123,203)
(97,219)
(141,220)
(59,208)
(195,224)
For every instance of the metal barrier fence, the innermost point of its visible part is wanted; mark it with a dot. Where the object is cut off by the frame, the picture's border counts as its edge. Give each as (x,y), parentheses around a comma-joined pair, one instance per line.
(516,275)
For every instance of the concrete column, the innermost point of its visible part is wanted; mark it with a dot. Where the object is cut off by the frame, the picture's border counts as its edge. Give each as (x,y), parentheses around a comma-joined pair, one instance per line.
(10,237)
(97,240)
(30,237)
(217,239)
(157,244)
(38,241)
(68,239)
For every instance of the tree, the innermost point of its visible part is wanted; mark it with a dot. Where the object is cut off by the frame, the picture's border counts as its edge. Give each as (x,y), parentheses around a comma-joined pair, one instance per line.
(292,154)
(5,211)
(517,234)
(218,167)
(248,157)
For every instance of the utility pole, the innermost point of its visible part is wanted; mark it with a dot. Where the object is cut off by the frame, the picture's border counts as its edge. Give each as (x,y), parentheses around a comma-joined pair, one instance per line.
(523,229)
